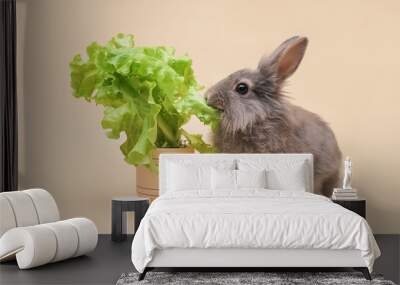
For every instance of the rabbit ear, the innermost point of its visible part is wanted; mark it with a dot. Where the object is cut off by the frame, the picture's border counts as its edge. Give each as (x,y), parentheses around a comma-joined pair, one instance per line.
(284,61)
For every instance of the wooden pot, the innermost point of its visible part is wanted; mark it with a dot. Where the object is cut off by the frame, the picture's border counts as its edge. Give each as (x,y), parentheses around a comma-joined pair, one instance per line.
(146,180)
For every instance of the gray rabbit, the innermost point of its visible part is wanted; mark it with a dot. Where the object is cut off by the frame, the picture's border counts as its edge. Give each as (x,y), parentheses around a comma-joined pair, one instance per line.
(257,117)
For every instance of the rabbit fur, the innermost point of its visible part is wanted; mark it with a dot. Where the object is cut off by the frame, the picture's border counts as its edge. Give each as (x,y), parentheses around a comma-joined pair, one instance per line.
(256,117)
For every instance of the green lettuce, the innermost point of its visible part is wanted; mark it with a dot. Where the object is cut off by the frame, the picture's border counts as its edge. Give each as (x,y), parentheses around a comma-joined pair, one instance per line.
(148,93)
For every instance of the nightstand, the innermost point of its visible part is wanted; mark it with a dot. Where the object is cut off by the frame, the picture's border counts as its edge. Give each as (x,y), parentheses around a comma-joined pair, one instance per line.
(357,206)
(121,205)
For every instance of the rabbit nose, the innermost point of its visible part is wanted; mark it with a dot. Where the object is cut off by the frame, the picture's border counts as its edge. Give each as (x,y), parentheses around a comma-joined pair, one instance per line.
(207,96)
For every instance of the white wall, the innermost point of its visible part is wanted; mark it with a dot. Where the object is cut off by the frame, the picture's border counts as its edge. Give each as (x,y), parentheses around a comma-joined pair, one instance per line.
(349,76)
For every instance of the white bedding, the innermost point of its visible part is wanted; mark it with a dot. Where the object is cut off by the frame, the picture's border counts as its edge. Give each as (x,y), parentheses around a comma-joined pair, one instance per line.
(251,218)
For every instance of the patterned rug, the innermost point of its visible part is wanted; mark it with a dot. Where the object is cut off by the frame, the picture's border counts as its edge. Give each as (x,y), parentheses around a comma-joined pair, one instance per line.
(243,278)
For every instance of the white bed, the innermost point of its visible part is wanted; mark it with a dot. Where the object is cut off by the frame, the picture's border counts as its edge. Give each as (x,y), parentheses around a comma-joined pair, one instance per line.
(196,224)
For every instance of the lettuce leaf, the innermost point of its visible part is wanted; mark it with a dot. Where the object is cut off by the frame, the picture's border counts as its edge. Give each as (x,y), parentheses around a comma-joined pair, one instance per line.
(149,94)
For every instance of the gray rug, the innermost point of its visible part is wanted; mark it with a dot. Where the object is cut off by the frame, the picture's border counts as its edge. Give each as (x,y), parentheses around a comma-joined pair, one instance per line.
(269,278)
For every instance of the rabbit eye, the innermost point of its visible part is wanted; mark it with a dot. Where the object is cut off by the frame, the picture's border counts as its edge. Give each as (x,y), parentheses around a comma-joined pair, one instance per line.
(242,88)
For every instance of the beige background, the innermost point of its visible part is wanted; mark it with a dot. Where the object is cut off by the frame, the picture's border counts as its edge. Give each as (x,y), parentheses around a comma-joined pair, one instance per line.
(349,76)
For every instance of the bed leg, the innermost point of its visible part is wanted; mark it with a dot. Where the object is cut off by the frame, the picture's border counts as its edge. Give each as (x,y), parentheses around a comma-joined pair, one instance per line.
(364,271)
(143,274)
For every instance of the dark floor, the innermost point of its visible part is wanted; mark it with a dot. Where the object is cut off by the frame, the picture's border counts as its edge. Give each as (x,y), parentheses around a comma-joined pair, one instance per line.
(111,259)
(103,266)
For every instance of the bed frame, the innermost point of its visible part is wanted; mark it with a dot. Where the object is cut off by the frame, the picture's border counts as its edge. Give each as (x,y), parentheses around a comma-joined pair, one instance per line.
(246,259)
(261,259)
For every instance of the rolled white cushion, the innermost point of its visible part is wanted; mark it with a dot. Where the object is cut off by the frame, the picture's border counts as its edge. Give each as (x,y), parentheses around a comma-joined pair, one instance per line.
(23,208)
(87,234)
(45,205)
(26,208)
(7,218)
(67,240)
(33,246)
(41,244)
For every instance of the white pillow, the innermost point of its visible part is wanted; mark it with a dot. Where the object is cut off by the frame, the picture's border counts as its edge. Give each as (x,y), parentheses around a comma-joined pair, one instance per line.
(223,179)
(182,177)
(292,179)
(282,174)
(251,178)
(229,179)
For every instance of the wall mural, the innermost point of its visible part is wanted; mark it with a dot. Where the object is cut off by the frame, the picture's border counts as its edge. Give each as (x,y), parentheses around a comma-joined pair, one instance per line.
(256,116)
(149,94)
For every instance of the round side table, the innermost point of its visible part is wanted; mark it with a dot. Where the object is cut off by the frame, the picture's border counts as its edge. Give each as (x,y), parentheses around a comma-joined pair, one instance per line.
(121,205)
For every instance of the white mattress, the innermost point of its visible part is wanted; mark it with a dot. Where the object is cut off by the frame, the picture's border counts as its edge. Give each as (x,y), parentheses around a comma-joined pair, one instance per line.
(252,219)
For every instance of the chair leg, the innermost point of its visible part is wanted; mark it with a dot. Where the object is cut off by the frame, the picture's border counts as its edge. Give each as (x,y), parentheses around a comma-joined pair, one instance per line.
(143,274)
(364,271)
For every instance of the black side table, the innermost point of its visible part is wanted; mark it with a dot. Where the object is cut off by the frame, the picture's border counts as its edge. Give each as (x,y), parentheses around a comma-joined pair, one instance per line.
(121,205)
(358,206)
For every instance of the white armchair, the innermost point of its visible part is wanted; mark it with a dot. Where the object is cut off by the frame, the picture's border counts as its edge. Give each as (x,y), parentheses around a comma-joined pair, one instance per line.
(31,230)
